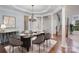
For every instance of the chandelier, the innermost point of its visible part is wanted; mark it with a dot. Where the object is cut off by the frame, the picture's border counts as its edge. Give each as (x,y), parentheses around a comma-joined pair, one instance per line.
(32,16)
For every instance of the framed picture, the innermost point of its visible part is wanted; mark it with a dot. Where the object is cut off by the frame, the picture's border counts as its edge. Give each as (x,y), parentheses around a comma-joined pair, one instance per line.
(9,21)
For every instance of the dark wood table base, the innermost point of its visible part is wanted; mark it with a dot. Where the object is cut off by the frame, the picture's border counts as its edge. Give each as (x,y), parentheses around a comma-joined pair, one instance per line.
(26,42)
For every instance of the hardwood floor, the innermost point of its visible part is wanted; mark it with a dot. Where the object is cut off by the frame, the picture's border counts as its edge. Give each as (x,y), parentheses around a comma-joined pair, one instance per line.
(57,48)
(2,50)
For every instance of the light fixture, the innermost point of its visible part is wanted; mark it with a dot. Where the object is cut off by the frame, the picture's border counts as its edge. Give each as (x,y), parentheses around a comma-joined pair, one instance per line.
(32,17)
(3,26)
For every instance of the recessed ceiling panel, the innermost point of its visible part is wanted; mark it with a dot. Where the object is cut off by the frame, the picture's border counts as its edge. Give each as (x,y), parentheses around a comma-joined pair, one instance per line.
(37,9)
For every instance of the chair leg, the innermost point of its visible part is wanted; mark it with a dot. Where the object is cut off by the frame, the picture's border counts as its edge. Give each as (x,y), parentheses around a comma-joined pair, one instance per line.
(46,43)
(32,47)
(22,49)
(19,48)
(39,48)
(49,42)
(10,49)
(13,49)
(43,47)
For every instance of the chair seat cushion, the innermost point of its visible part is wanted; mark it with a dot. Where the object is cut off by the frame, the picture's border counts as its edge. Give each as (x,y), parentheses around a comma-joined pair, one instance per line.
(15,42)
(37,41)
(47,36)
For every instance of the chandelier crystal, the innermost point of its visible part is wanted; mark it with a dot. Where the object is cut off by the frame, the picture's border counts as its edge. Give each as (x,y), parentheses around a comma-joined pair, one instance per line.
(32,17)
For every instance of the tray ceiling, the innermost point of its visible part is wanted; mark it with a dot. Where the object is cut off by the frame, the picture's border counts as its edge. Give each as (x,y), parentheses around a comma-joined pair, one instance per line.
(38,9)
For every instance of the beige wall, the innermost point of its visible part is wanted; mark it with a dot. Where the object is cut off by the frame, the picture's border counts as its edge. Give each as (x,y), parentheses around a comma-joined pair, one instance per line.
(72,10)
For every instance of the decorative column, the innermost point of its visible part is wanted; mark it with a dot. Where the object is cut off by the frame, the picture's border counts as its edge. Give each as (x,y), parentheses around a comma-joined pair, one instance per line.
(52,25)
(63,42)
(41,23)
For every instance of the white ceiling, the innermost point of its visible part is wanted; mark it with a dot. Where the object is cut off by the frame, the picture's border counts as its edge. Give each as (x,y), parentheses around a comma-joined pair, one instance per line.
(37,9)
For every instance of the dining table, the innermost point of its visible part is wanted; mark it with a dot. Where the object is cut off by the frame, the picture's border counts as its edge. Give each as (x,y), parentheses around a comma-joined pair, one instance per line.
(26,39)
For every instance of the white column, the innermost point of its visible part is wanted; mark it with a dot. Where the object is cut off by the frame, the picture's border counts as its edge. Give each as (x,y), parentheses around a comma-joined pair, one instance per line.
(52,25)
(28,25)
(42,23)
(63,43)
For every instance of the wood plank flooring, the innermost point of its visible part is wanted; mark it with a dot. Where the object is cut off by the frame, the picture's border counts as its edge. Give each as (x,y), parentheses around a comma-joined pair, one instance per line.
(57,48)
(2,50)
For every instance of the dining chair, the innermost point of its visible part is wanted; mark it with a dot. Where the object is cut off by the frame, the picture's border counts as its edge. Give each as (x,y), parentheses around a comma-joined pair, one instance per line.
(38,41)
(15,42)
(47,37)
